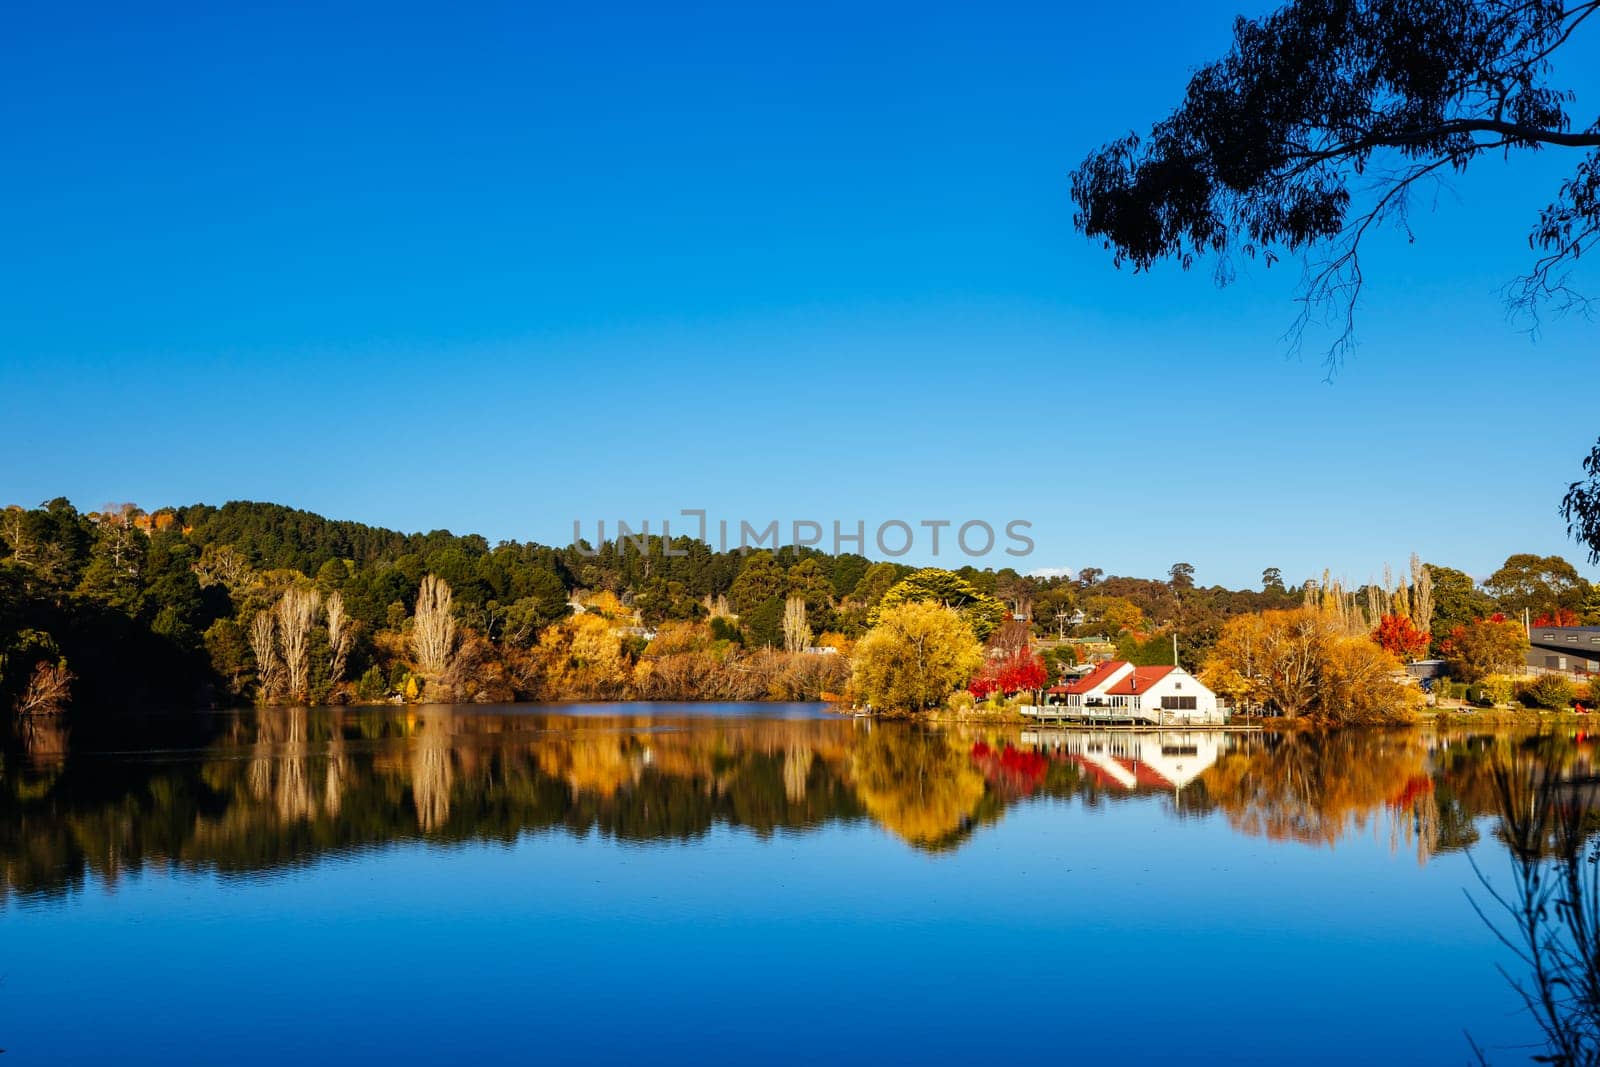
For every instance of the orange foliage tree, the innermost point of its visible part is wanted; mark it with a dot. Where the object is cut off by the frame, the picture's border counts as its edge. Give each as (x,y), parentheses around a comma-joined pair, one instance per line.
(1399,636)
(1018,670)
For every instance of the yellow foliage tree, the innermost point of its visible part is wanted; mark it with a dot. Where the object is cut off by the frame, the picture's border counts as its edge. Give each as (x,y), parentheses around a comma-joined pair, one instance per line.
(915,657)
(582,658)
(605,604)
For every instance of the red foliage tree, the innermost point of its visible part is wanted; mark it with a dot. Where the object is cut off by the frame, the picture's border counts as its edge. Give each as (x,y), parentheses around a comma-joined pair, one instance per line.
(1012,673)
(1399,636)
(1022,670)
(1559,617)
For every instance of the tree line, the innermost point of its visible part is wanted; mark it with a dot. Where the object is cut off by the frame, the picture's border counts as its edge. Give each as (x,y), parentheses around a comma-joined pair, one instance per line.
(205,605)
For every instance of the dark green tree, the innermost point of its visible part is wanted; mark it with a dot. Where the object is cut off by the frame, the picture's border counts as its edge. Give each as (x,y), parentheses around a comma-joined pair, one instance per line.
(1538,584)
(761,579)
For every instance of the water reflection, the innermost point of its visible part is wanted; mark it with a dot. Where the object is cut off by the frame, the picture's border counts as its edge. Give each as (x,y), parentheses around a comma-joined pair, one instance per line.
(255,791)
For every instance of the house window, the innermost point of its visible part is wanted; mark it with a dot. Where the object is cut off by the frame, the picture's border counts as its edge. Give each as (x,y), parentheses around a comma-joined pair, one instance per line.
(1553,662)
(1549,637)
(1179,703)
(1573,638)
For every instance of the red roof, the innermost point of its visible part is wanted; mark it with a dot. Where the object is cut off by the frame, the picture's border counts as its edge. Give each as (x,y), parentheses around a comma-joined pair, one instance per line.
(1139,681)
(1101,672)
(1144,776)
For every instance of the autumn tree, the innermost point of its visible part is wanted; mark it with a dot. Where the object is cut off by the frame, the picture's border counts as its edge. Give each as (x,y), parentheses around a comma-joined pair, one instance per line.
(1399,636)
(1274,654)
(1359,683)
(917,654)
(582,658)
(1016,671)
(433,627)
(1483,647)
(1117,614)
(1304,662)
(1558,617)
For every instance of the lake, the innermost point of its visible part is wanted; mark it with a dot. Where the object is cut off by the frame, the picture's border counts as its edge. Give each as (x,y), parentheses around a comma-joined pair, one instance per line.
(743,882)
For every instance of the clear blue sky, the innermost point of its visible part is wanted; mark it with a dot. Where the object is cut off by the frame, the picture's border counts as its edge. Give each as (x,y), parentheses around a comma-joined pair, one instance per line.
(499,268)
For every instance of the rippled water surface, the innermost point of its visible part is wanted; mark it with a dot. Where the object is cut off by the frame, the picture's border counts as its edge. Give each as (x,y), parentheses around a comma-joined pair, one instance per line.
(743,882)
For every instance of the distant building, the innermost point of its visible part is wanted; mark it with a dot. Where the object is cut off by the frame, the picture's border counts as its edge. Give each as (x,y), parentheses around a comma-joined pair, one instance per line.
(1117,689)
(1574,649)
(1423,670)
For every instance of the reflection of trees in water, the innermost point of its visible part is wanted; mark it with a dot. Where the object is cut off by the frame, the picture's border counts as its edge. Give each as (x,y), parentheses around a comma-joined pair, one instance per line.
(1549,915)
(1317,787)
(920,783)
(285,785)
(45,738)
(279,774)
(796,772)
(432,774)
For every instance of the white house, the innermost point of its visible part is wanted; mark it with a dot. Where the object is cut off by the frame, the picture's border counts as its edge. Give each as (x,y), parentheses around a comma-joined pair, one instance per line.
(1117,689)
(1166,760)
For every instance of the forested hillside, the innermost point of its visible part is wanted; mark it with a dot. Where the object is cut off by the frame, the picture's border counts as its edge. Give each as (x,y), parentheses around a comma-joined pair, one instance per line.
(213,606)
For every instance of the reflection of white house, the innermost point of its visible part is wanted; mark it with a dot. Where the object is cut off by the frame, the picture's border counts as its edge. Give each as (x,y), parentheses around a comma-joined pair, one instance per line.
(1119,690)
(1164,760)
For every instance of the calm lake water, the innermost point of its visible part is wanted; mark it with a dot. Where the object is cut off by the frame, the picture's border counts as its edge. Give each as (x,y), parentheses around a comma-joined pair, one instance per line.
(742,882)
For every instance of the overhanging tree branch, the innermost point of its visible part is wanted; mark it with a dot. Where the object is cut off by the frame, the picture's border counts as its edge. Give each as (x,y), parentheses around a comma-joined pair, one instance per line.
(1263,155)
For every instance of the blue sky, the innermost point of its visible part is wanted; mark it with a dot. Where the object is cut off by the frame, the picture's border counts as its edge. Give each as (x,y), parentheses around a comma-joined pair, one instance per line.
(500,268)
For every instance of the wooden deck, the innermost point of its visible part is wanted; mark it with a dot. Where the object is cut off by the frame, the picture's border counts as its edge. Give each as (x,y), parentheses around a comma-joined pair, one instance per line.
(1108,718)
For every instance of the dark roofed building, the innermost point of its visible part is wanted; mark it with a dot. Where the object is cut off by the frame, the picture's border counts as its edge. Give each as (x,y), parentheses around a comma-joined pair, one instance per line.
(1575,649)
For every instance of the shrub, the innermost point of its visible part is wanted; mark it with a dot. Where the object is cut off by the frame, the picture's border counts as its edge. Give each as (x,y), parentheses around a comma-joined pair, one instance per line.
(1499,689)
(1547,691)
(724,629)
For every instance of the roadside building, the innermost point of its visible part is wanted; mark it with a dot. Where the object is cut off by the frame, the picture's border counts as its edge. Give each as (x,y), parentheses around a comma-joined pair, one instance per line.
(1572,649)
